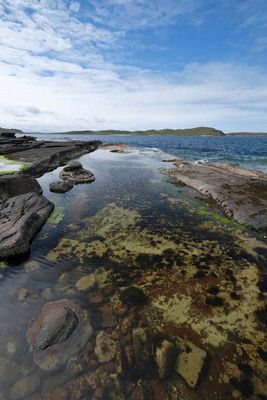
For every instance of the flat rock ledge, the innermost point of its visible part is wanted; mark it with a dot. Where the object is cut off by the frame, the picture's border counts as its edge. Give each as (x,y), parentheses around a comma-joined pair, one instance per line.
(61,330)
(240,192)
(23,211)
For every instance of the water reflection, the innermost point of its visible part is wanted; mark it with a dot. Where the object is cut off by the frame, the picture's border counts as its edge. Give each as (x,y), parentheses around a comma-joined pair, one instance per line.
(140,261)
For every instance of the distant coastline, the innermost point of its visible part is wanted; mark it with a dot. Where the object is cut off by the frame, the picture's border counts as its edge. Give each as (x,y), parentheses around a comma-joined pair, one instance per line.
(198,131)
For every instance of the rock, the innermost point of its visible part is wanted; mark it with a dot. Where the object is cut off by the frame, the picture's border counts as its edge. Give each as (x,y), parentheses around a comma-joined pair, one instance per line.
(141,346)
(239,191)
(133,296)
(86,283)
(190,361)
(106,347)
(22,294)
(11,347)
(61,330)
(22,214)
(77,176)
(57,394)
(15,185)
(73,166)
(25,387)
(60,187)
(166,354)
(56,327)
(31,266)
(8,372)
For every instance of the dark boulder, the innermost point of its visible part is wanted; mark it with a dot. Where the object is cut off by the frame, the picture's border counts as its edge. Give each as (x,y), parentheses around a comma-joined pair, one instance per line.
(60,187)
(133,296)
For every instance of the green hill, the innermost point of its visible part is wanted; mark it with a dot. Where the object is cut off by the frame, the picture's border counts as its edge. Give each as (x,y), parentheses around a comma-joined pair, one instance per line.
(200,131)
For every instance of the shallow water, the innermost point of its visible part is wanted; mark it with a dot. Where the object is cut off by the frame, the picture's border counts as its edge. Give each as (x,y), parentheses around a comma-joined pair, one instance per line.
(132,227)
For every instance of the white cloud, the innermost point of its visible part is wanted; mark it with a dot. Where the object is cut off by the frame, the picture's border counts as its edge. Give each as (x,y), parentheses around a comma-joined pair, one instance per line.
(75,6)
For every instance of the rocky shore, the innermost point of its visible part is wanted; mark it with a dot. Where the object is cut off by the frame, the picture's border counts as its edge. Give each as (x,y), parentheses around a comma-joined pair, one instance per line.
(241,193)
(23,208)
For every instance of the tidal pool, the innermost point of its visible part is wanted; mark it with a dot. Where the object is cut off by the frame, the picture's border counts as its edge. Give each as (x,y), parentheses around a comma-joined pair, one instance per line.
(8,166)
(200,277)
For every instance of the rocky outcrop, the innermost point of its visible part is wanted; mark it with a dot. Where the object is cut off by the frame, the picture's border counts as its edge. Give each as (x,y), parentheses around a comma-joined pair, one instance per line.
(23,211)
(61,330)
(165,358)
(241,193)
(75,173)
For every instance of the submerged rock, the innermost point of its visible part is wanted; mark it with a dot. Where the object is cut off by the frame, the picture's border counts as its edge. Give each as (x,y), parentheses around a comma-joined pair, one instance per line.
(133,296)
(8,372)
(60,187)
(61,330)
(190,361)
(106,347)
(25,387)
(87,282)
(166,354)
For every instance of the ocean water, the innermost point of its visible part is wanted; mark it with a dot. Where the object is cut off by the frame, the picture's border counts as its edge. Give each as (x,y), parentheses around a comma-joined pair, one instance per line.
(250,152)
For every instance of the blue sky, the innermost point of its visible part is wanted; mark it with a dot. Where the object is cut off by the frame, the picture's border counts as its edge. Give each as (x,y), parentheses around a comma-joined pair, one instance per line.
(133,64)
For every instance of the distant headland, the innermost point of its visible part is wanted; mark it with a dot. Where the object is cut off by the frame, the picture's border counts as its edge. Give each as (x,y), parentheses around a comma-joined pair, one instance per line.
(198,131)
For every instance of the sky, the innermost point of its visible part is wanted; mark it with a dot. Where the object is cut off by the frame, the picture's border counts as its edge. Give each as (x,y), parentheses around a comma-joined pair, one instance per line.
(133,64)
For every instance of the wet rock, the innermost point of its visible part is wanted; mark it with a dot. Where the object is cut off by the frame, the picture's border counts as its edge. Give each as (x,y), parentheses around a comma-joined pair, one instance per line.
(77,176)
(166,355)
(141,346)
(31,266)
(133,296)
(25,387)
(21,214)
(60,187)
(57,394)
(240,192)
(86,283)
(190,361)
(95,298)
(8,372)
(106,347)
(11,347)
(56,327)
(15,185)
(22,294)
(61,330)
(73,165)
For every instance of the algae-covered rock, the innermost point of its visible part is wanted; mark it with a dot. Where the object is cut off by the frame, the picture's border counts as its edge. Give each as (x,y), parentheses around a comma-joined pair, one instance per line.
(165,357)
(106,347)
(87,282)
(190,361)
(57,216)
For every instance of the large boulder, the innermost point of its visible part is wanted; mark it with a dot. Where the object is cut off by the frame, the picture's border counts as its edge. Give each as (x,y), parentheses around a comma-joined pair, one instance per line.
(14,185)
(60,331)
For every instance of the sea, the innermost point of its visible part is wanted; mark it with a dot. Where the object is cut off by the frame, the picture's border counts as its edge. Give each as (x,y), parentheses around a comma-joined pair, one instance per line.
(250,152)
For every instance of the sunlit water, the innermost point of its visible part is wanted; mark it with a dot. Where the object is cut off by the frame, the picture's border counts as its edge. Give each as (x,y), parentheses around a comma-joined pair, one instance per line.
(250,152)
(157,236)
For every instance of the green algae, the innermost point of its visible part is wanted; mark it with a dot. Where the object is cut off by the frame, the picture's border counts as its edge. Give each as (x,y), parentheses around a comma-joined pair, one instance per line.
(203,211)
(57,216)
(12,166)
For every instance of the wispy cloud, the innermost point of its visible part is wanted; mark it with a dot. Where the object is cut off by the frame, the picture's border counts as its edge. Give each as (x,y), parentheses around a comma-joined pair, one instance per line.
(58,70)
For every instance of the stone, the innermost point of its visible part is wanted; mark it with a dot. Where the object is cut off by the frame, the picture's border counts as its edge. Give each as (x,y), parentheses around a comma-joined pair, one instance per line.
(60,187)
(17,184)
(141,346)
(73,165)
(21,217)
(77,176)
(133,296)
(22,294)
(31,266)
(190,361)
(165,357)
(105,348)
(56,327)
(61,330)
(25,387)
(8,372)
(86,283)
(57,394)
(11,347)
